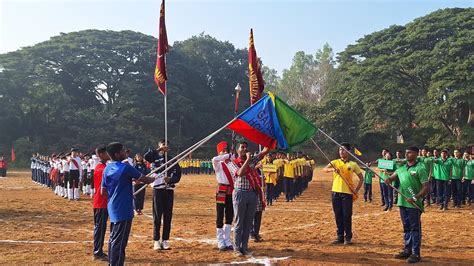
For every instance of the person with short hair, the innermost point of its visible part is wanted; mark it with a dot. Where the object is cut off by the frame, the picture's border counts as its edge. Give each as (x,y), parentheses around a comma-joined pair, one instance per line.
(414,185)
(456,177)
(467,181)
(246,187)
(117,185)
(343,192)
(443,173)
(163,195)
(99,205)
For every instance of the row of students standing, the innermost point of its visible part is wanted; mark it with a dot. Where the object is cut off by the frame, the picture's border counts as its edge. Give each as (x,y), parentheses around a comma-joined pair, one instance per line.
(450,178)
(196,167)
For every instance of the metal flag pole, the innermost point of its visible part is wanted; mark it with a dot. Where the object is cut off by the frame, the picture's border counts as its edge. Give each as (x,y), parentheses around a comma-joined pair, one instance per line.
(185,153)
(236,110)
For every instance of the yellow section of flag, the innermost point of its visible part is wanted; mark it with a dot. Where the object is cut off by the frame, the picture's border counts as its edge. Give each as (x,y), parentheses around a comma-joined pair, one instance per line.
(357,152)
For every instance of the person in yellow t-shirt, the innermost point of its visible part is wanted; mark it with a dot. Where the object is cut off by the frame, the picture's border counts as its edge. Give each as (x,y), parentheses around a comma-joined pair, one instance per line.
(270,174)
(289,176)
(342,192)
(279,185)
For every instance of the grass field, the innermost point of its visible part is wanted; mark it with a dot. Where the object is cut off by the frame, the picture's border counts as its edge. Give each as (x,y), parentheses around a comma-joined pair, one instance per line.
(41,228)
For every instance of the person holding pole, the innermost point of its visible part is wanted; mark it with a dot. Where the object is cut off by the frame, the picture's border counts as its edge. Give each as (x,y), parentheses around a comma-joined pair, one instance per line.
(225,185)
(163,195)
(245,197)
(414,183)
(343,192)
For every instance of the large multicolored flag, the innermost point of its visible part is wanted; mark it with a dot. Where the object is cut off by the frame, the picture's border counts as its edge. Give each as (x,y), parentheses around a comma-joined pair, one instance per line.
(255,74)
(160,69)
(272,123)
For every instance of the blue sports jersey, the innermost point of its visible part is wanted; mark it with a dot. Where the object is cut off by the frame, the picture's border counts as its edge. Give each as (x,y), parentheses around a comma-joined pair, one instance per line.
(117,179)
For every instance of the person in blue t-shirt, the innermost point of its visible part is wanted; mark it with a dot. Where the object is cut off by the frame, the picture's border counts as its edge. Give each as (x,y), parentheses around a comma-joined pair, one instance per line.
(117,185)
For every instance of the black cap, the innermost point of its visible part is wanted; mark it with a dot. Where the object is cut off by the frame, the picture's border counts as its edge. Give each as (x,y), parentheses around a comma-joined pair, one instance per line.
(74,149)
(445,150)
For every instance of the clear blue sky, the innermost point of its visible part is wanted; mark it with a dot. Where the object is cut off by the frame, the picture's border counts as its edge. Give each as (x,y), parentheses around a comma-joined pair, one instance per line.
(281,28)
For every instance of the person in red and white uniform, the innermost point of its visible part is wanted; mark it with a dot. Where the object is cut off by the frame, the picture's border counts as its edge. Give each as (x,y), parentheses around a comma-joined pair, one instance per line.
(224,169)
(75,171)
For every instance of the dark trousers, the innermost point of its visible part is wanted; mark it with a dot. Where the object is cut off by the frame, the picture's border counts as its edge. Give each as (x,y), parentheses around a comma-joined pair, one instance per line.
(119,233)
(270,194)
(411,220)
(456,189)
(342,206)
(367,192)
(298,186)
(224,210)
(139,199)
(100,225)
(74,178)
(433,191)
(443,193)
(257,222)
(382,196)
(3,172)
(388,195)
(289,188)
(92,179)
(467,191)
(162,208)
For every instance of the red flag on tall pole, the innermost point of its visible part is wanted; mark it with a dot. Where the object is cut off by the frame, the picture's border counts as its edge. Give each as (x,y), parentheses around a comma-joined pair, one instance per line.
(13,155)
(160,69)
(255,74)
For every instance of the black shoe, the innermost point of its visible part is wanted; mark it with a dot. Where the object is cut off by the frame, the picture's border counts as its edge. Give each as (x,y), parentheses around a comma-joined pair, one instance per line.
(414,258)
(223,249)
(403,255)
(385,209)
(383,204)
(337,241)
(441,208)
(230,247)
(102,257)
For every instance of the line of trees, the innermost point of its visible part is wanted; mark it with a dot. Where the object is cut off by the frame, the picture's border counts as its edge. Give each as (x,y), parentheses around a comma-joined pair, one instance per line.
(90,87)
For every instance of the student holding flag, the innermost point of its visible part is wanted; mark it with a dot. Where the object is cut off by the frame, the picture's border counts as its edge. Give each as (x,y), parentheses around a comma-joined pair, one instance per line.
(343,192)
(414,184)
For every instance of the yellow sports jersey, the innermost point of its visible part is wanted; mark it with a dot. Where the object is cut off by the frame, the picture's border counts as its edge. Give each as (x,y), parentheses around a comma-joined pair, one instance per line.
(346,169)
(289,170)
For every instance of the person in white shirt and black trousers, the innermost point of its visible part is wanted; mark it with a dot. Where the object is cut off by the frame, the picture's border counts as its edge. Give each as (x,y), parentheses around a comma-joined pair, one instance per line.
(163,195)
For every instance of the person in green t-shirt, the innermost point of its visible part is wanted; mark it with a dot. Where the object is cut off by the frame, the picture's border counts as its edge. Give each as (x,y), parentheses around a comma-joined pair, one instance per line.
(467,180)
(387,190)
(368,175)
(425,160)
(382,196)
(456,176)
(443,175)
(414,185)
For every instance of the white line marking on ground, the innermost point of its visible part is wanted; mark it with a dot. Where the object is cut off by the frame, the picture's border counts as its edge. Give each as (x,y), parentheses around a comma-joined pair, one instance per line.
(263,260)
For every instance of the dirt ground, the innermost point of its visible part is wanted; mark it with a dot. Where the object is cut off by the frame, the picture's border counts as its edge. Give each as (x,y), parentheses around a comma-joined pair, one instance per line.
(38,227)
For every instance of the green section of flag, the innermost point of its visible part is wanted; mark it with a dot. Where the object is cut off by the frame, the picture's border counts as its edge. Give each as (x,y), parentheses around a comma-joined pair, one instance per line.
(295,127)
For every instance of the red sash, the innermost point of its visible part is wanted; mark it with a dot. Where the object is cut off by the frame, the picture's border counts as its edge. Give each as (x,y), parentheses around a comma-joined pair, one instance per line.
(75,163)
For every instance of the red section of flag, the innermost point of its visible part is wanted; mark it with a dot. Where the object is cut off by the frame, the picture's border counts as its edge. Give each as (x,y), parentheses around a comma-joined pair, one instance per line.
(251,133)
(13,155)
(160,69)
(255,74)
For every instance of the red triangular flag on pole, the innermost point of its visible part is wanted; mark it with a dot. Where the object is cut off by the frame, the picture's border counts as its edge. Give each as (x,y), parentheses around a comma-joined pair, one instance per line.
(160,69)
(13,155)
(255,74)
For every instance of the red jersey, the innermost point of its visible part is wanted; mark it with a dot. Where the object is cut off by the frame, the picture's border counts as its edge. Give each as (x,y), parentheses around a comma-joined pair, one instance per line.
(3,164)
(99,201)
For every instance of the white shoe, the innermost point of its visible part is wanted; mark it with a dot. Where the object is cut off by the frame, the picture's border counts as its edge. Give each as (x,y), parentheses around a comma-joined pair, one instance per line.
(70,194)
(220,239)
(165,245)
(227,232)
(156,245)
(77,194)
